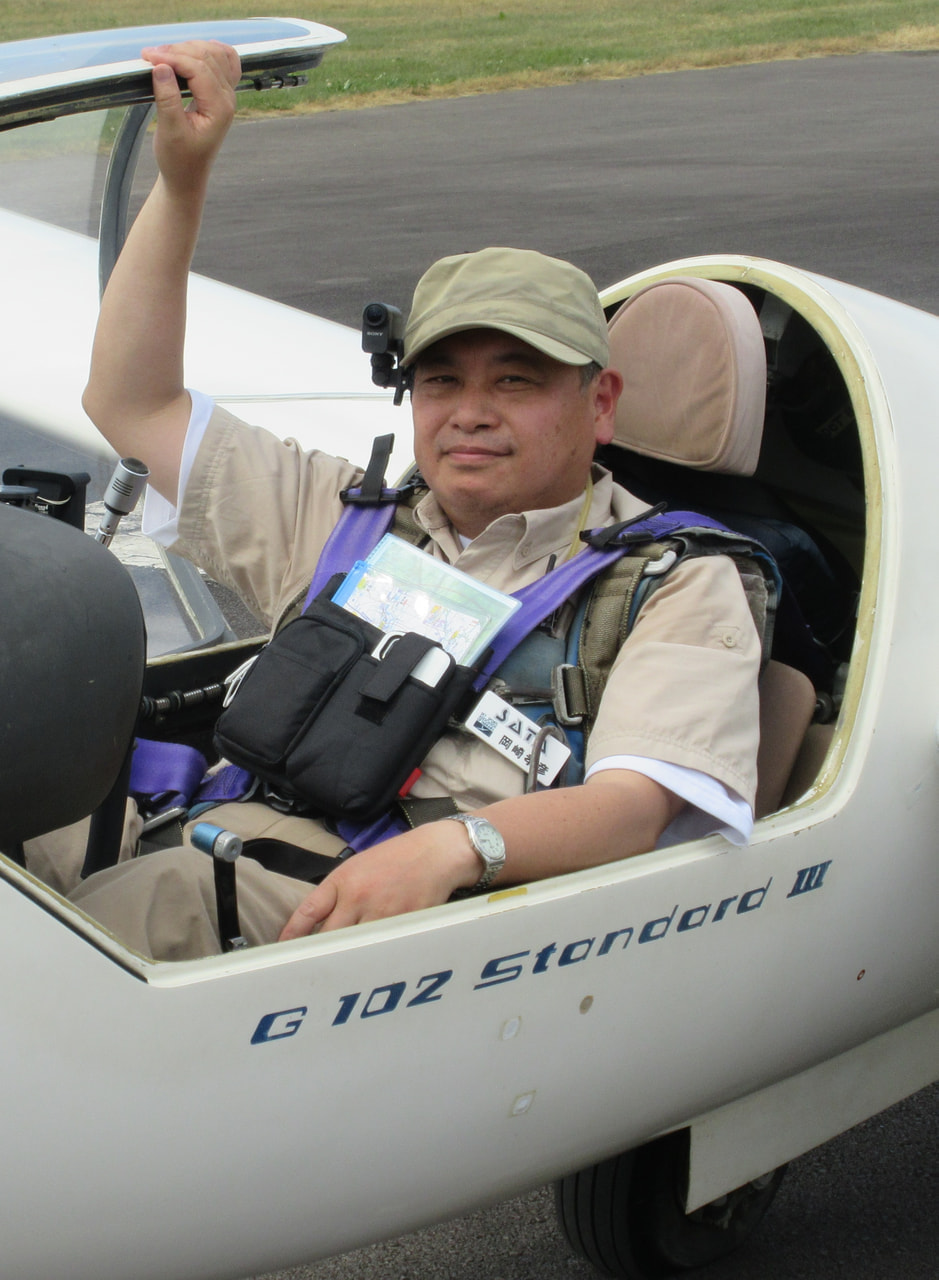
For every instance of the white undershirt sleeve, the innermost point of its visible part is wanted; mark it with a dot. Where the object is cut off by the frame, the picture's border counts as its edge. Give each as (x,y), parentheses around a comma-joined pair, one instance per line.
(160,517)
(711,808)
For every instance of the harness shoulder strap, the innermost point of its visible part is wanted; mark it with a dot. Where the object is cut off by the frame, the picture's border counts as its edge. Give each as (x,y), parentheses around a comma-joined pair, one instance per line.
(616,595)
(606,624)
(405,525)
(360,526)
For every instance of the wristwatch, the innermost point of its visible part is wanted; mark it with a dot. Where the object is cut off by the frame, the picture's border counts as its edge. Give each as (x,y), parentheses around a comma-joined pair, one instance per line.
(490,846)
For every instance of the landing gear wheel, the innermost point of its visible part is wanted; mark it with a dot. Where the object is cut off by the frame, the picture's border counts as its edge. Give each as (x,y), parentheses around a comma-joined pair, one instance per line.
(626,1216)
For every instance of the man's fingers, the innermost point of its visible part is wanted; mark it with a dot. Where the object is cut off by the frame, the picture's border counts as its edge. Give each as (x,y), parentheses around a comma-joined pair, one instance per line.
(211,71)
(314,908)
(166,91)
(229,61)
(194,58)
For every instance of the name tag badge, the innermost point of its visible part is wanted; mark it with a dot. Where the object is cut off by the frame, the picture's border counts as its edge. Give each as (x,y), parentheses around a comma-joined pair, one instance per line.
(507,731)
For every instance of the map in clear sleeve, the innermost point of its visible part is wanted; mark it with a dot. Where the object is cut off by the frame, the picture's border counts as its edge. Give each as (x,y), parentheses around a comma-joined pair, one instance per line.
(399,588)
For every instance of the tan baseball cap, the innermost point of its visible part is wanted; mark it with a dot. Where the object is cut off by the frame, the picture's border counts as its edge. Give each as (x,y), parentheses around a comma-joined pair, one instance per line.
(550,304)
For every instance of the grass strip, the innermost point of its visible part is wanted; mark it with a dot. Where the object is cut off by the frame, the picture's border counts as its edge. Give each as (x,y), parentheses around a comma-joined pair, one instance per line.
(401,50)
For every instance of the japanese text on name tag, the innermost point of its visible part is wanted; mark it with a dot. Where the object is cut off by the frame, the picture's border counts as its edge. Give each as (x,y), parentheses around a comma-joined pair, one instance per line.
(513,735)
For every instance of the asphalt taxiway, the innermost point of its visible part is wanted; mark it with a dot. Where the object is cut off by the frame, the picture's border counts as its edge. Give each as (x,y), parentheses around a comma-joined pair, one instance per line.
(827,164)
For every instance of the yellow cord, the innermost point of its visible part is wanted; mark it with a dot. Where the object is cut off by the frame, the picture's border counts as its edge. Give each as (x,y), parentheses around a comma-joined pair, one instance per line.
(576,544)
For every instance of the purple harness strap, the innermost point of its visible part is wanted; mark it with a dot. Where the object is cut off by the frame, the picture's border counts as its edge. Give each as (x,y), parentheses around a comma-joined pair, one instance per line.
(170,775)
(541,597)
(167,774)
(357,531)
(362,835)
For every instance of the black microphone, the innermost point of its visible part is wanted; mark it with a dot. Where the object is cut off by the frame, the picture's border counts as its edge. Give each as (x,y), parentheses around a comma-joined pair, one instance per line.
(120,497)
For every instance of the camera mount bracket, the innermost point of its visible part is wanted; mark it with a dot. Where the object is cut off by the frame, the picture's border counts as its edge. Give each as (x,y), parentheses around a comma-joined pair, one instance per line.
(383,338)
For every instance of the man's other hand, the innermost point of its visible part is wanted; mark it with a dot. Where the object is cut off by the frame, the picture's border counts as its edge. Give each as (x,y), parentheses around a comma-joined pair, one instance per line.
(420,868)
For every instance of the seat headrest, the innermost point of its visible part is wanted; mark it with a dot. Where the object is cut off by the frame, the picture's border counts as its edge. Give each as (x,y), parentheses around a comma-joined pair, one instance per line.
(72,658)
(694,368)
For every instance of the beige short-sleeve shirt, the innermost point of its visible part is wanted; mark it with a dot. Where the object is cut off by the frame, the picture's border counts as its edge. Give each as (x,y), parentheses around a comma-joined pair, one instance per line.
(257,512)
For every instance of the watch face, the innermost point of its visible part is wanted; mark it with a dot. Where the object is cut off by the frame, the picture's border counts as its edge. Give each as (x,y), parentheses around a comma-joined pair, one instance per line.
(490,843)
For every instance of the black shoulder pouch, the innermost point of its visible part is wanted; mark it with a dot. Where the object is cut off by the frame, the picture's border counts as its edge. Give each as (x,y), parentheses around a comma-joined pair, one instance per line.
(336,715)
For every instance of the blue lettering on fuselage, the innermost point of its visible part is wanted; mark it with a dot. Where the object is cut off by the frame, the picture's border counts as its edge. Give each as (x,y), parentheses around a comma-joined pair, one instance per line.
(279,1026)
(398,995)
(809,878)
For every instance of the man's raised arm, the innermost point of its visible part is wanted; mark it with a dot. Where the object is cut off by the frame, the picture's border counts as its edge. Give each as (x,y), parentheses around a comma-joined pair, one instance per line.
(136,394)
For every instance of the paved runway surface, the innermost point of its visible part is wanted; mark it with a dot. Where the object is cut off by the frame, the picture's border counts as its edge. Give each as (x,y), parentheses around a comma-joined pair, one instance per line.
(826,164)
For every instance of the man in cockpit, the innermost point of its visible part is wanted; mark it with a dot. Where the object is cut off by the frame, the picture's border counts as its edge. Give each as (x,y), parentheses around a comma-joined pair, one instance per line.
(511,395)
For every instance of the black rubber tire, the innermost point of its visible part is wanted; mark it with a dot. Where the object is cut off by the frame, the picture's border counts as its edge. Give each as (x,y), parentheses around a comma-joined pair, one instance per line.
(626,1217)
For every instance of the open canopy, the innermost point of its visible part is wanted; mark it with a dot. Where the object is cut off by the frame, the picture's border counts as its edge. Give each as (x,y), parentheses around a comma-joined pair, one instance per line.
(60,75)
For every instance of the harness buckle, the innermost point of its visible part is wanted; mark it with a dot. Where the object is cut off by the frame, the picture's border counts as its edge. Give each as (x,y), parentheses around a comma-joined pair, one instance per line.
(559,695)
(178,812)
(654,568)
